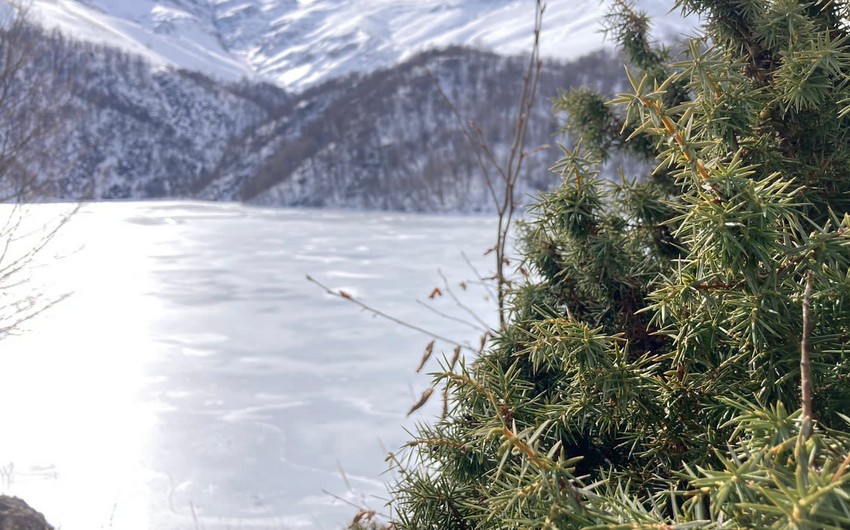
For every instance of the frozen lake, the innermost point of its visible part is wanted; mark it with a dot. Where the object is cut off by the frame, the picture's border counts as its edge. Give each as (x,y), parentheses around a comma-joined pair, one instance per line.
(195,379)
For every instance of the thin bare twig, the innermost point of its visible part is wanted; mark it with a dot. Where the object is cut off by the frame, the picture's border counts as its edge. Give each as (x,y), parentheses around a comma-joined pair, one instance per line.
(345,296)
(491,156)
(516,159)
(511,169)
(460,304)
(194,516)
(476,144)
(481,279)
(352,504)
(450,317)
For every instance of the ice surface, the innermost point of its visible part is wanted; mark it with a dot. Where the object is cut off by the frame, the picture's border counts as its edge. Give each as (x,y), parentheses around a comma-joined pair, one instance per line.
(195,373)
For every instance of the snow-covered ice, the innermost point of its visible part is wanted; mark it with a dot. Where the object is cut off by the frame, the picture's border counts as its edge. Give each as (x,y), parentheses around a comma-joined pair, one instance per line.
(195,373)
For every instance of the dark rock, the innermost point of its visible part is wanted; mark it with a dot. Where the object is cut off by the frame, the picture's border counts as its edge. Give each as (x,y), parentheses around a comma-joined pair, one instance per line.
(15,514)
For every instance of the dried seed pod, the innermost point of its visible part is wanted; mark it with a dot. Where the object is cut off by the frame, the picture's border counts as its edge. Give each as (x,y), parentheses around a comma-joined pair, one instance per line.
(422,400)
(429,349)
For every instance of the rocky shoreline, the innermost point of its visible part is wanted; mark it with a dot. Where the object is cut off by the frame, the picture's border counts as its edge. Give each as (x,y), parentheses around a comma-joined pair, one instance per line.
(15,514)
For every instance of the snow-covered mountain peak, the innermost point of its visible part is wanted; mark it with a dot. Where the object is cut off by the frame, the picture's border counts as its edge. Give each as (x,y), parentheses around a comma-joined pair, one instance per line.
(298,43)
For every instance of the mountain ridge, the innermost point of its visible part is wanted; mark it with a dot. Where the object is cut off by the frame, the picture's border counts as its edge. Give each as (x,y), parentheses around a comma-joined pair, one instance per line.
(300,43)
(385,139)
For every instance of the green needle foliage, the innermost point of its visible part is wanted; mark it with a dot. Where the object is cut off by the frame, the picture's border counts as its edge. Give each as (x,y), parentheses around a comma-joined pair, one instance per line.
(678,357)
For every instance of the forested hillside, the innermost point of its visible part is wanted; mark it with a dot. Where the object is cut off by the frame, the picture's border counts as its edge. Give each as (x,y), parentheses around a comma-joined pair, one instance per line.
(385,140)
(132,131)
(391,140)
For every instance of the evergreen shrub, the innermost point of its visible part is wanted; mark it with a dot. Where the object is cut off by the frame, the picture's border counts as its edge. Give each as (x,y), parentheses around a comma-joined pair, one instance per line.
(678,356)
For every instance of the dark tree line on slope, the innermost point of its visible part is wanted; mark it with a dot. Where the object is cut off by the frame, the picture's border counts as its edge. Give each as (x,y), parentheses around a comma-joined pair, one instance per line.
(26,130)
(27,134)
(128,130)
(383,140)
(389,140)
(679,358)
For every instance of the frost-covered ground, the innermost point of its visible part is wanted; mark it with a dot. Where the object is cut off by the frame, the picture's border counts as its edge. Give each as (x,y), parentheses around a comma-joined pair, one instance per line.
(195,379)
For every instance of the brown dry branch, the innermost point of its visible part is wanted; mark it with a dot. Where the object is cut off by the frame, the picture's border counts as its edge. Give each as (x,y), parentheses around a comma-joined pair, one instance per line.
(509,170)
(673,131)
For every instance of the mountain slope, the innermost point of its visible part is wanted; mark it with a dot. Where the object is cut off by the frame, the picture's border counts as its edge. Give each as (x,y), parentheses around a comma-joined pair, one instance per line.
(300,43)
(390,139)
(385,140)
(128,131)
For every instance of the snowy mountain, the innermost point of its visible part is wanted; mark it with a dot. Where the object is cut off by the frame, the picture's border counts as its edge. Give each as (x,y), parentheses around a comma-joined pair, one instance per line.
(385,140)
(389,140)
(127,130)
(138,125)
(300,43)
